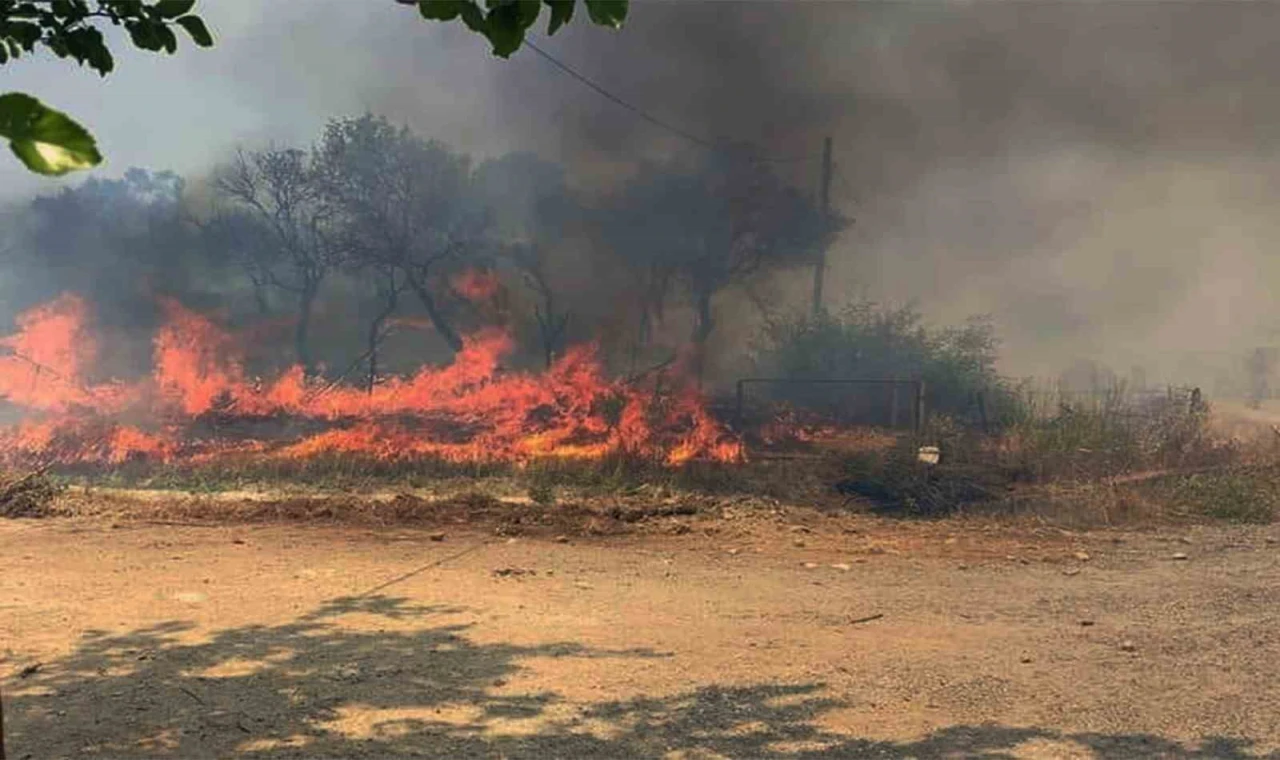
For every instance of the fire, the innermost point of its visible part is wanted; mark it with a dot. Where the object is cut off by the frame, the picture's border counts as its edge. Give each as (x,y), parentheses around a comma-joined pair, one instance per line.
(47,356)
(476,285)
(197,403)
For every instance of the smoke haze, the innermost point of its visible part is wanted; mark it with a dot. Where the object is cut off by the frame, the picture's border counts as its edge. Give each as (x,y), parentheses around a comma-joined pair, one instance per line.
(1100,178)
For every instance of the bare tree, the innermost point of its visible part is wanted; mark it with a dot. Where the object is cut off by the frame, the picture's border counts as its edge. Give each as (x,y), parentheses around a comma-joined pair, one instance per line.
(405,208)
(530,208)
(552,319)
(285,228)
(232,235)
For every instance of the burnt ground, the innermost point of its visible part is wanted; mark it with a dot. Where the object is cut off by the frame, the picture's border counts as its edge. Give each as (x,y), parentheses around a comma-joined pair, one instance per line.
(753,633)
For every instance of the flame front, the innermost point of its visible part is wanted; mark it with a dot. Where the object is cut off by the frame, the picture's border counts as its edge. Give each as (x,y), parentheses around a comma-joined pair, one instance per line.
(198,392)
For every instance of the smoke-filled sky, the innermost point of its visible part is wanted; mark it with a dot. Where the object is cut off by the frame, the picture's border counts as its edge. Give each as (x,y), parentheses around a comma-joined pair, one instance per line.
(1098,176)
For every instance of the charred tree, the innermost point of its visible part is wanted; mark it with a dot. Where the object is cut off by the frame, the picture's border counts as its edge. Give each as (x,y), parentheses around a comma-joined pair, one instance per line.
(551,319)
(404,205)
(389,285)
(710,225)
(284,227)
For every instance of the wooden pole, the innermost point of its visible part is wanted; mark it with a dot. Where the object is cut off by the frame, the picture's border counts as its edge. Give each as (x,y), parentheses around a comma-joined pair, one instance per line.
(820,269)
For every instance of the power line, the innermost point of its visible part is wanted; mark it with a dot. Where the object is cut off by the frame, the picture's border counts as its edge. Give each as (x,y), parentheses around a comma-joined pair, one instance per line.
(654,120)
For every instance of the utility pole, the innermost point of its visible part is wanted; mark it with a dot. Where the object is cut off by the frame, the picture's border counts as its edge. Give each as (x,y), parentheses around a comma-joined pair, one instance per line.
(820,268)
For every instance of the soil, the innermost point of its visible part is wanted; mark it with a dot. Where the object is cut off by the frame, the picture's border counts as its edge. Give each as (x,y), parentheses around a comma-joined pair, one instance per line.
(753,632)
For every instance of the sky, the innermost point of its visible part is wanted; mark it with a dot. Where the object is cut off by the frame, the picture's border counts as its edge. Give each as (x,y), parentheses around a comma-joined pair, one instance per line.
(1100,178)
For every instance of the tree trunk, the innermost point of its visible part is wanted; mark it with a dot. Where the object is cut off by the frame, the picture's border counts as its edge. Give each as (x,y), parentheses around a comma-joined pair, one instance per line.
(301,335)
(374,330)
(703,325)
(433,313)
(375,338)
(260,297)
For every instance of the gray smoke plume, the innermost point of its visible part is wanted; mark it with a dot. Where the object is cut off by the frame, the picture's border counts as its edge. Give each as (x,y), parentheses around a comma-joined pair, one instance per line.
(1099,177)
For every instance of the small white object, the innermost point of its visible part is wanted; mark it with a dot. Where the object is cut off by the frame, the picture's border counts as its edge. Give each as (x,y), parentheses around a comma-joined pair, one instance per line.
(929,454)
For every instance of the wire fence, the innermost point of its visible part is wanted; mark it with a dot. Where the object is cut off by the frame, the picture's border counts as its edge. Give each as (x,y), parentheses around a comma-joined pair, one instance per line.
(885,402)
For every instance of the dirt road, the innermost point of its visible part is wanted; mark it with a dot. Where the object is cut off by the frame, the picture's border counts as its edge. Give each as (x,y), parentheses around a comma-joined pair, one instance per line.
(849,637)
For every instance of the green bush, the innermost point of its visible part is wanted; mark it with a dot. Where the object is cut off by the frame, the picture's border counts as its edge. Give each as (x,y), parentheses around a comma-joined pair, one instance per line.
(866,340)
(1249,495)
(542,493)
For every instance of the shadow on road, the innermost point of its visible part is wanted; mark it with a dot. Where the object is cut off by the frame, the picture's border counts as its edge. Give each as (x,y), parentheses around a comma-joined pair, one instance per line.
(293,690)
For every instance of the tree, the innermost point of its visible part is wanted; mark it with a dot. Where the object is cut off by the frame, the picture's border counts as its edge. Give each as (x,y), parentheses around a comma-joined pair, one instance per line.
(707,225)
(284,229)
(48,141)
(505,22)
(112,240)
(532,211)
(389,284)
(404,206)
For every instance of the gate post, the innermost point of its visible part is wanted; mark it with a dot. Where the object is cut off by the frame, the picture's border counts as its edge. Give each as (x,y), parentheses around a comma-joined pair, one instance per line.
(893,406)
(919,407)
(737,409)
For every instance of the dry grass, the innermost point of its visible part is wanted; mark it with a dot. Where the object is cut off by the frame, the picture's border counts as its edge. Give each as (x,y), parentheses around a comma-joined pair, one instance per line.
(1104,463)
(1114,460)
(474,510)
(31,494)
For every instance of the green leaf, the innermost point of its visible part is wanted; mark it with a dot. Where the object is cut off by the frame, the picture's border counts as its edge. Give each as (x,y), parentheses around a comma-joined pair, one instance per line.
(561,13)
(128,8)
(474,18)
(441,10)
(144,35)
(609,13)
(174,8)
(529,10)
(24,33)
(167,38)
(47,141)
(95,50)
(196,29)
(505,27)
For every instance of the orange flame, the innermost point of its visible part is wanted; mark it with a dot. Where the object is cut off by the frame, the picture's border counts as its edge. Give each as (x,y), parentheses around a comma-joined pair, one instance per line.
(470,410)
(475,284)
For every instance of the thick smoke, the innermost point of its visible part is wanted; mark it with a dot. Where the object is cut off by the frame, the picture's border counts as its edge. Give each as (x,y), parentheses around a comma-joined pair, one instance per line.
(1098,177)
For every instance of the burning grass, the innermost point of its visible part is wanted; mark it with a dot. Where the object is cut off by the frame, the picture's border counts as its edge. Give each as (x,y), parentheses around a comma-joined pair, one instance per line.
(198,405)
(571,436)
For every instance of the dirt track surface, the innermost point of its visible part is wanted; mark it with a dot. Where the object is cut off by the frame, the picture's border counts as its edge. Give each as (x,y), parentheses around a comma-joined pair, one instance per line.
(134,640)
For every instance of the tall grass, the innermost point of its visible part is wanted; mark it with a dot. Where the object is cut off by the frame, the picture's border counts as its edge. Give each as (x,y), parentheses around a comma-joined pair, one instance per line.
(1100,451)
(1048,433)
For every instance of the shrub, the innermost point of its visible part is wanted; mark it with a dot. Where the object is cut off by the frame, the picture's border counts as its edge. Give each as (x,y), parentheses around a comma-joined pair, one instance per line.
(542,493)
(1239,494)
(865,340)
(29,496)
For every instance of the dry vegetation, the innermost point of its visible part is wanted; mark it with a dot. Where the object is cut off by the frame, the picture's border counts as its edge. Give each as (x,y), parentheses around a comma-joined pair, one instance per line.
(1113,460)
